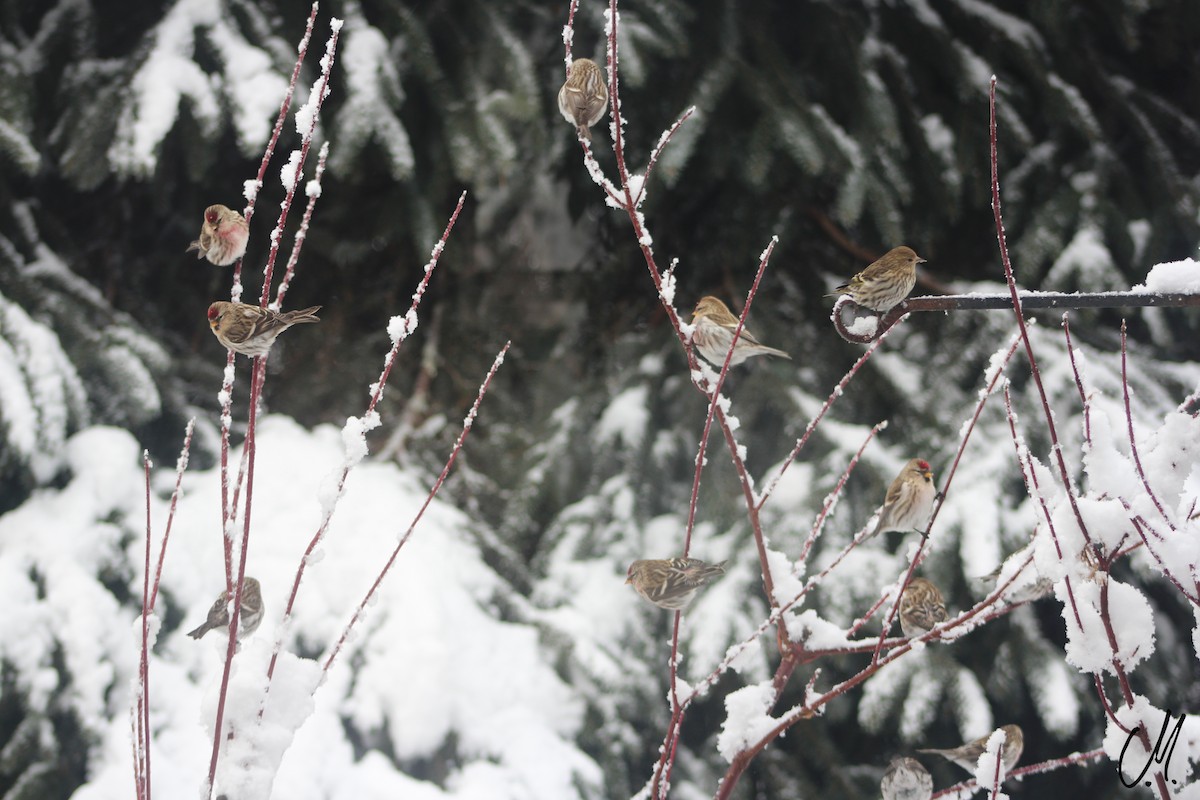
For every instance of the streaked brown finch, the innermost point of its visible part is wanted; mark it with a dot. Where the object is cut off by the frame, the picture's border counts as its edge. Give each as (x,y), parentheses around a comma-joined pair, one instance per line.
(921,607)
(223,236)
(906,779)
(249,618)
(583,99)
(715,325)
(909,500)
(967,755)
(672,583)
(885,282)
(251,330)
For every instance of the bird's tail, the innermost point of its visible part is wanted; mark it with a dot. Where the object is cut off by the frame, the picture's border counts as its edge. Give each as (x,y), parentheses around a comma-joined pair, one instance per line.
(771,351)
(198,632)
(303,315)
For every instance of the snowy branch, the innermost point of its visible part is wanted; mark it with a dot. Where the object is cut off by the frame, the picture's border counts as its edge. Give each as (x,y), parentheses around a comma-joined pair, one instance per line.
(843,320)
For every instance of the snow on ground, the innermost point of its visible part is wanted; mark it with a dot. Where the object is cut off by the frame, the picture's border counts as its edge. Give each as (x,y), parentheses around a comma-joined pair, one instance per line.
(432,669)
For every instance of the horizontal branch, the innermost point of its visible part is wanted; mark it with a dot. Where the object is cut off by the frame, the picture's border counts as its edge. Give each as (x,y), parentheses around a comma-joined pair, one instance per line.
(1051,300)
(975,302)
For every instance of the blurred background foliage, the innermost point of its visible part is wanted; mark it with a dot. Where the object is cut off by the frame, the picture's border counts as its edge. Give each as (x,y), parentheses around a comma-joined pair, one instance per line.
(844,128)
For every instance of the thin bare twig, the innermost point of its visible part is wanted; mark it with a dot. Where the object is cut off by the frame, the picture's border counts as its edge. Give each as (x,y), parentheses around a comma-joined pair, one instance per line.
(458,445)
(252,187)
(1133,448)
(181,466)
(142,769)
(969,787)
(399,329)
(313,189)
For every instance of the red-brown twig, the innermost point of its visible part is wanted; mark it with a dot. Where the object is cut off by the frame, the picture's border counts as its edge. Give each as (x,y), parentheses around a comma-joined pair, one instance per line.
(458,445)
(313,190)
(226,394)
(1010,278)
(798,654)
(1032,486)
(1083,396)
(142,747)
(812,705)
(1118,667)
(969,787)
(812,425)
(666,137)
(258,375)
(624,198)
(1133,448)
(715,397)
(568,35)
(827,506)
(316,100)
(997,369)
(998,769)
(252,187)
(181,466)
(400,329)
(149,597)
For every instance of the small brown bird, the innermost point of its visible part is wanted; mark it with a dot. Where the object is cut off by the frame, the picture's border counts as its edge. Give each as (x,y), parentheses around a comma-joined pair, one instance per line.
(885,282)
(909,500)
(223,236)
(1023,590)
(906,779)
(715,325)
(671,583)
(921,607)
(967,755)
(249,618)
(583,99)
(251,330)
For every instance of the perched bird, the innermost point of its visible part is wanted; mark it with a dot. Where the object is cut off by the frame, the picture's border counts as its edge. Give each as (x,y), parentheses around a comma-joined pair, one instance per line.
(906,779)
(1023,590)
(223,236)
(671,583)
(715,325)
(248,619)
(885,282)
(583,99)
(921,607)
(251,330)
(967,755)
(909,500)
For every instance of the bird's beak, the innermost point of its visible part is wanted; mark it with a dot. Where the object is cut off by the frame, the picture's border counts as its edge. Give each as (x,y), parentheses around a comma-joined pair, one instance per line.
(927,475)
(920,260)
(629,580)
